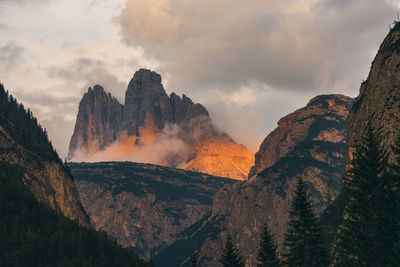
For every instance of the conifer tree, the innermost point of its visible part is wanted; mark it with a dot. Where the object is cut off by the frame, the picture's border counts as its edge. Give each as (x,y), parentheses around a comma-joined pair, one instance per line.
(364,235)
(267,253)
(303,239)
(194,259)
(231,256)
(389,230)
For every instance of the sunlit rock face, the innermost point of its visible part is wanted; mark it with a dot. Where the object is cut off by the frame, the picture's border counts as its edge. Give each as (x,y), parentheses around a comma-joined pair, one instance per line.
(379,98)
(295,128)
(155,128)
(219,155)
(143,206)
(310,143)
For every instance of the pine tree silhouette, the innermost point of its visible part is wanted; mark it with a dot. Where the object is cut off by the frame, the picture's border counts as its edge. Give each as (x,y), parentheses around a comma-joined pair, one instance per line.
(304,239)
(231,256)
(369,230)
(194,259)
(267,253)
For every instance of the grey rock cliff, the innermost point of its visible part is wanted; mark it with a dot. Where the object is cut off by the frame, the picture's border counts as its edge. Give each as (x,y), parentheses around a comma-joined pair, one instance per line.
(379,98)
(97,124)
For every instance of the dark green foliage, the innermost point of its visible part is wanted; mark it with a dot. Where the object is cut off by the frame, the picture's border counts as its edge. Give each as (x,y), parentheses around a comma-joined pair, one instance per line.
(23,126)
(331,217)
(32,234)
(179,251)
(392,202)
(194,259)
(369,230)
(231,256)
(304,239)
(267,253)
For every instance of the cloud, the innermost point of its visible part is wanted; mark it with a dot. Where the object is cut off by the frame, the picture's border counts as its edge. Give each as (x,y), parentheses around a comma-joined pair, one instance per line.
(168,149)
(91,72)
(287,45)
(10,56)
(22,2)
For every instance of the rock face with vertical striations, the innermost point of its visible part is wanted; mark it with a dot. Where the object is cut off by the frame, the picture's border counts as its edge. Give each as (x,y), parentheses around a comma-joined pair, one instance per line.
(24,146)
(155,128)
(379,98)
(98,122)
(310,143)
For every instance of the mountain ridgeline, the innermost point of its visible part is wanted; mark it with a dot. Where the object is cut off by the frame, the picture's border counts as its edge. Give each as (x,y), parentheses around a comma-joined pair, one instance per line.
(43,222)
(25,144)
(308,143)
(144,206)
(156,128)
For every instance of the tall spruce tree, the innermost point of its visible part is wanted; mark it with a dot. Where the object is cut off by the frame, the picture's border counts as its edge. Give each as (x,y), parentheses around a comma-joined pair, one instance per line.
(267,254)
(364,236)
(231,256)
(303,239)
(194,259)
(393,200)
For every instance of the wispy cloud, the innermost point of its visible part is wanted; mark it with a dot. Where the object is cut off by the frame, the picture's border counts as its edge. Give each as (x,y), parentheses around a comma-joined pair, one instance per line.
(10,56)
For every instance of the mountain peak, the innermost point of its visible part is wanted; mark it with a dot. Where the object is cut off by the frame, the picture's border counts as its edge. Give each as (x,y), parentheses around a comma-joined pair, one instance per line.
(301,125)
(337,99)
(98,88)
(97,121)
(147,76)
(143,121)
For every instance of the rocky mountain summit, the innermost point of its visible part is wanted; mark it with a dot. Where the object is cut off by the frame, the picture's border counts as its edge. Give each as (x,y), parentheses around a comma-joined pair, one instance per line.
(310,143)
(96,106)
(179,130)
(296,127)
(143,206)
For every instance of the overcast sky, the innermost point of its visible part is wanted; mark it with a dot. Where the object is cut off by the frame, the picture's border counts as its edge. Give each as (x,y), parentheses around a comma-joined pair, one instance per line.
(249,62)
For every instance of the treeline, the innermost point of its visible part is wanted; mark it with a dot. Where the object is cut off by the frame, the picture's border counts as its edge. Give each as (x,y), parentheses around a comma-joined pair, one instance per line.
(366,232)
(31,234)
(23,126)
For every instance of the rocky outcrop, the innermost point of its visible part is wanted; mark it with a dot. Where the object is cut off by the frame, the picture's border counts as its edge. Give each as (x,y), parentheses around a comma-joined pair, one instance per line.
(378,101)
(98,122)
(294,128)
(149,118)
(40,168)
(219,155)
(143,206)
(310,143)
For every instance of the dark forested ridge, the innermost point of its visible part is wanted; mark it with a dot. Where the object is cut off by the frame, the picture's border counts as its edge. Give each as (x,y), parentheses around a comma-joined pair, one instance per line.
(25,144)
(23,126)
(32,234)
